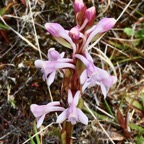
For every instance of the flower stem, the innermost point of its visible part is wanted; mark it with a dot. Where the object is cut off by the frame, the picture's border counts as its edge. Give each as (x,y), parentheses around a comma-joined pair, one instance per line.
(66,133)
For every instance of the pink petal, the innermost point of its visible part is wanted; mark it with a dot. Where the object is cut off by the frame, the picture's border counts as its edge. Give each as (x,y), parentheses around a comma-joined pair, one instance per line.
(88,56)
(54,28)
(102,74)
(91,36)
(78,5)
(106,24)
(51,77)
(83,59)
(60,65)
(62,54)
(83,77)
(114,78)
(67,37)
(70,97)
(65,60)
(87,32)
(55,103)
(39,63)
(58,31)
(55,108)
(103,89)
(82,117)
(103,25)
(72,120)
(90,13)
(86,84)
(37,110)
(108,82)
(74,33)
(53,54)
(62,116)
(76,98)
(40,120)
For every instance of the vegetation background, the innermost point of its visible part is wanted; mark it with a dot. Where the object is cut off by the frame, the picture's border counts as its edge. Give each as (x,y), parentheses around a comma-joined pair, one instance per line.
(22,40)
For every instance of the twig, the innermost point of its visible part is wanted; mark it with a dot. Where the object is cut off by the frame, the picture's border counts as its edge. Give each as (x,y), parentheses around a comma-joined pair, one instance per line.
(22,37)
(124,10)
(36,36)
(98,123)
(107,6)
(39,132)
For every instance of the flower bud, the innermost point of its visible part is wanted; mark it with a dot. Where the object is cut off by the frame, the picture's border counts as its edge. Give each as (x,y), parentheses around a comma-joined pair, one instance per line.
(78,5)
(90,13)
(54,28)
(106,24)
(74,33)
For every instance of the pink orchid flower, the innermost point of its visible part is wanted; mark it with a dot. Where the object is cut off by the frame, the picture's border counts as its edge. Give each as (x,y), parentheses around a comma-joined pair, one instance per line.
(55,62)
(93,75)
(39,111)
(60,34)
(103,25)
(73,114)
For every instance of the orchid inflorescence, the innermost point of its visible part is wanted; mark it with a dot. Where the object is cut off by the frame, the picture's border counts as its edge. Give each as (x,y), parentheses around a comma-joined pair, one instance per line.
(79,70)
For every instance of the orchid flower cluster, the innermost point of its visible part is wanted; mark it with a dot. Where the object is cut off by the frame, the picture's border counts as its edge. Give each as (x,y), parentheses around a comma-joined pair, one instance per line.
(79,69)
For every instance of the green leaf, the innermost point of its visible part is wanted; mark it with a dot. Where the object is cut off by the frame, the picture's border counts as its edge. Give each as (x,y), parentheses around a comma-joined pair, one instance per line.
(108,108)
(37,136)
(129,31)
(140,140)
(137,128)
(81,103)
(140,34)
(142,98)
(80,67)
(63,42)
(31,140)
(2,11)
(2,26)
(136,42)
(134,103)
